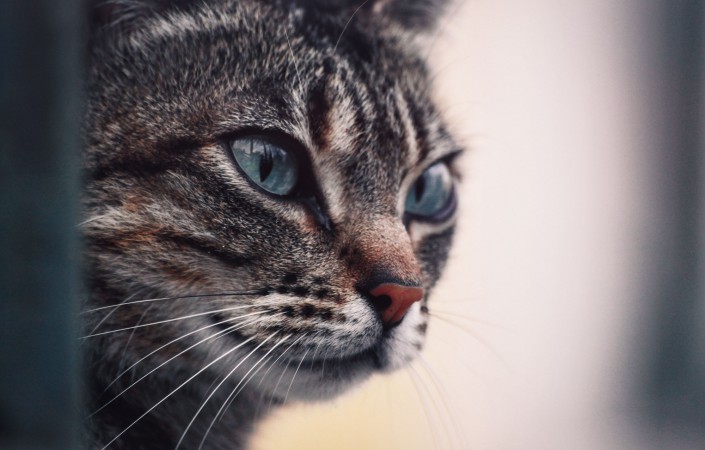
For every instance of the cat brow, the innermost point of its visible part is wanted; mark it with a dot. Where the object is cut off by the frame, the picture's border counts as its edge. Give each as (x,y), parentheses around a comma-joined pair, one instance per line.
(438,155)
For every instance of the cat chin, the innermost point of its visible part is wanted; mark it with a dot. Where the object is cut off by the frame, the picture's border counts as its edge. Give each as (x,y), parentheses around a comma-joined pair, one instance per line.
(319,381)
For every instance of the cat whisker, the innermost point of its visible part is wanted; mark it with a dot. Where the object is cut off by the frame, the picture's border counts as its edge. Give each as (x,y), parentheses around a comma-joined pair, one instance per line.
(449,342)
(264,363)
(347,24)
(280,357)
(294,376)
(479,339)
(178,297)
(174,391)
(436,408)
(174,319)
(435,312)
(245,323)
(285,369)
(259,365)
(217,335)
(416,380)
(315,352)
(129,339)
(443,394)
(107,316)
(245,380)
(260,401)
(225,378)
(91,219)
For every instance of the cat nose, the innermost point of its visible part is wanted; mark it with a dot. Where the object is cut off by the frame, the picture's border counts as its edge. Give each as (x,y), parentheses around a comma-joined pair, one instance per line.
(392,301)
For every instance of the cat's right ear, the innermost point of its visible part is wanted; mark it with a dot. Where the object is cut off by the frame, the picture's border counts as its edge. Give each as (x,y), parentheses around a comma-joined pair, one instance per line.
(414,15)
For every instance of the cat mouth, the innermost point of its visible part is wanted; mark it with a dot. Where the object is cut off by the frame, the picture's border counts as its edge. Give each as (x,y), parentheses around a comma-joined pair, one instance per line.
(312,373)
(371,357)
(368,357)
(380,354)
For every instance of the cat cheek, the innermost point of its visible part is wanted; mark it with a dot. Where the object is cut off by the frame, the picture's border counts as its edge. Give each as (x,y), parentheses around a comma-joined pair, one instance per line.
(420,231)
(309,224)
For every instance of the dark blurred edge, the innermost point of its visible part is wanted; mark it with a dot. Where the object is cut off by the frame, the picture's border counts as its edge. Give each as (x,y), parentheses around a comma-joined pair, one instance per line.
(675,382)
(40,84)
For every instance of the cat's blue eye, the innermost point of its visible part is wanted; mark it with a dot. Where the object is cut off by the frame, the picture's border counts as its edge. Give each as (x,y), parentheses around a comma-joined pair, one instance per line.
(269,166)
(431,195)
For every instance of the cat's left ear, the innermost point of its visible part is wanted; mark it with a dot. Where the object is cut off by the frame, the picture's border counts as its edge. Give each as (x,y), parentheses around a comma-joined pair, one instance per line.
(416,15)
(412,15)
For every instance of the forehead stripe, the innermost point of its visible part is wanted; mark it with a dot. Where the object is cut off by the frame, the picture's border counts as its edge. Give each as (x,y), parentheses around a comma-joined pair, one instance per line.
(420,130)
(319,114)
(409,130)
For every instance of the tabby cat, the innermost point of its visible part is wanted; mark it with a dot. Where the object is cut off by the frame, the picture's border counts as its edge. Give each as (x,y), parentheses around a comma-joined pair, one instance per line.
(269,198)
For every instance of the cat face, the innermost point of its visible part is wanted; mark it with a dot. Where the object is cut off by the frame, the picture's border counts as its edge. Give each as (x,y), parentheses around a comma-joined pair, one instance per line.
(268,186)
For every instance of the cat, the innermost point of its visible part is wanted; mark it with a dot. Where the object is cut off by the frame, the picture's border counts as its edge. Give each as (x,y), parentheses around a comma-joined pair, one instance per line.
(270,196)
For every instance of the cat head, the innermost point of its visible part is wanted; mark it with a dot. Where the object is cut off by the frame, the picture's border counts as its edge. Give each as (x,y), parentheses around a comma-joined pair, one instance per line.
(265,178)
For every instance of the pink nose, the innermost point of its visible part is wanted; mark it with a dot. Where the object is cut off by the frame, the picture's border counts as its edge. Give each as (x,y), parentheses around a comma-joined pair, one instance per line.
(392,301)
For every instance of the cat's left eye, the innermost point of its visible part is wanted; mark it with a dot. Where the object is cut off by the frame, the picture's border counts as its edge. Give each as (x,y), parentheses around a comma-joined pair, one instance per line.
(272,168)
(431,197)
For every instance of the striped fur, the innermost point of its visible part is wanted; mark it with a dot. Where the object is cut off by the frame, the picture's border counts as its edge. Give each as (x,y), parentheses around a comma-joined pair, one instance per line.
(167,214)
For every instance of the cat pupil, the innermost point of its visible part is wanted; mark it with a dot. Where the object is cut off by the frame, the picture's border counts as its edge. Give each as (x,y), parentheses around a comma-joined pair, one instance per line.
(266,162)
(419,188)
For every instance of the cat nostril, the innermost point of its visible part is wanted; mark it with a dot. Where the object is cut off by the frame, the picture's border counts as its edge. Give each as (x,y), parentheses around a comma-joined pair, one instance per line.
(382,302)
(392,301)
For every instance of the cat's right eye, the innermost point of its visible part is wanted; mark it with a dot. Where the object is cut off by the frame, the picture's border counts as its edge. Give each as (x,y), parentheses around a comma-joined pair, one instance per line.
(432,197)
(272,168)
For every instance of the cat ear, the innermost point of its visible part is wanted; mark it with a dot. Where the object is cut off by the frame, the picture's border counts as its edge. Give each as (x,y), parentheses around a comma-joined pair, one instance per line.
(125,12)
(419,15)
(412,15)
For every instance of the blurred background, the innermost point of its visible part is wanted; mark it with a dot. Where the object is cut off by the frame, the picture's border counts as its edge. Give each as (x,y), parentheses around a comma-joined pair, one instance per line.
(572,313)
